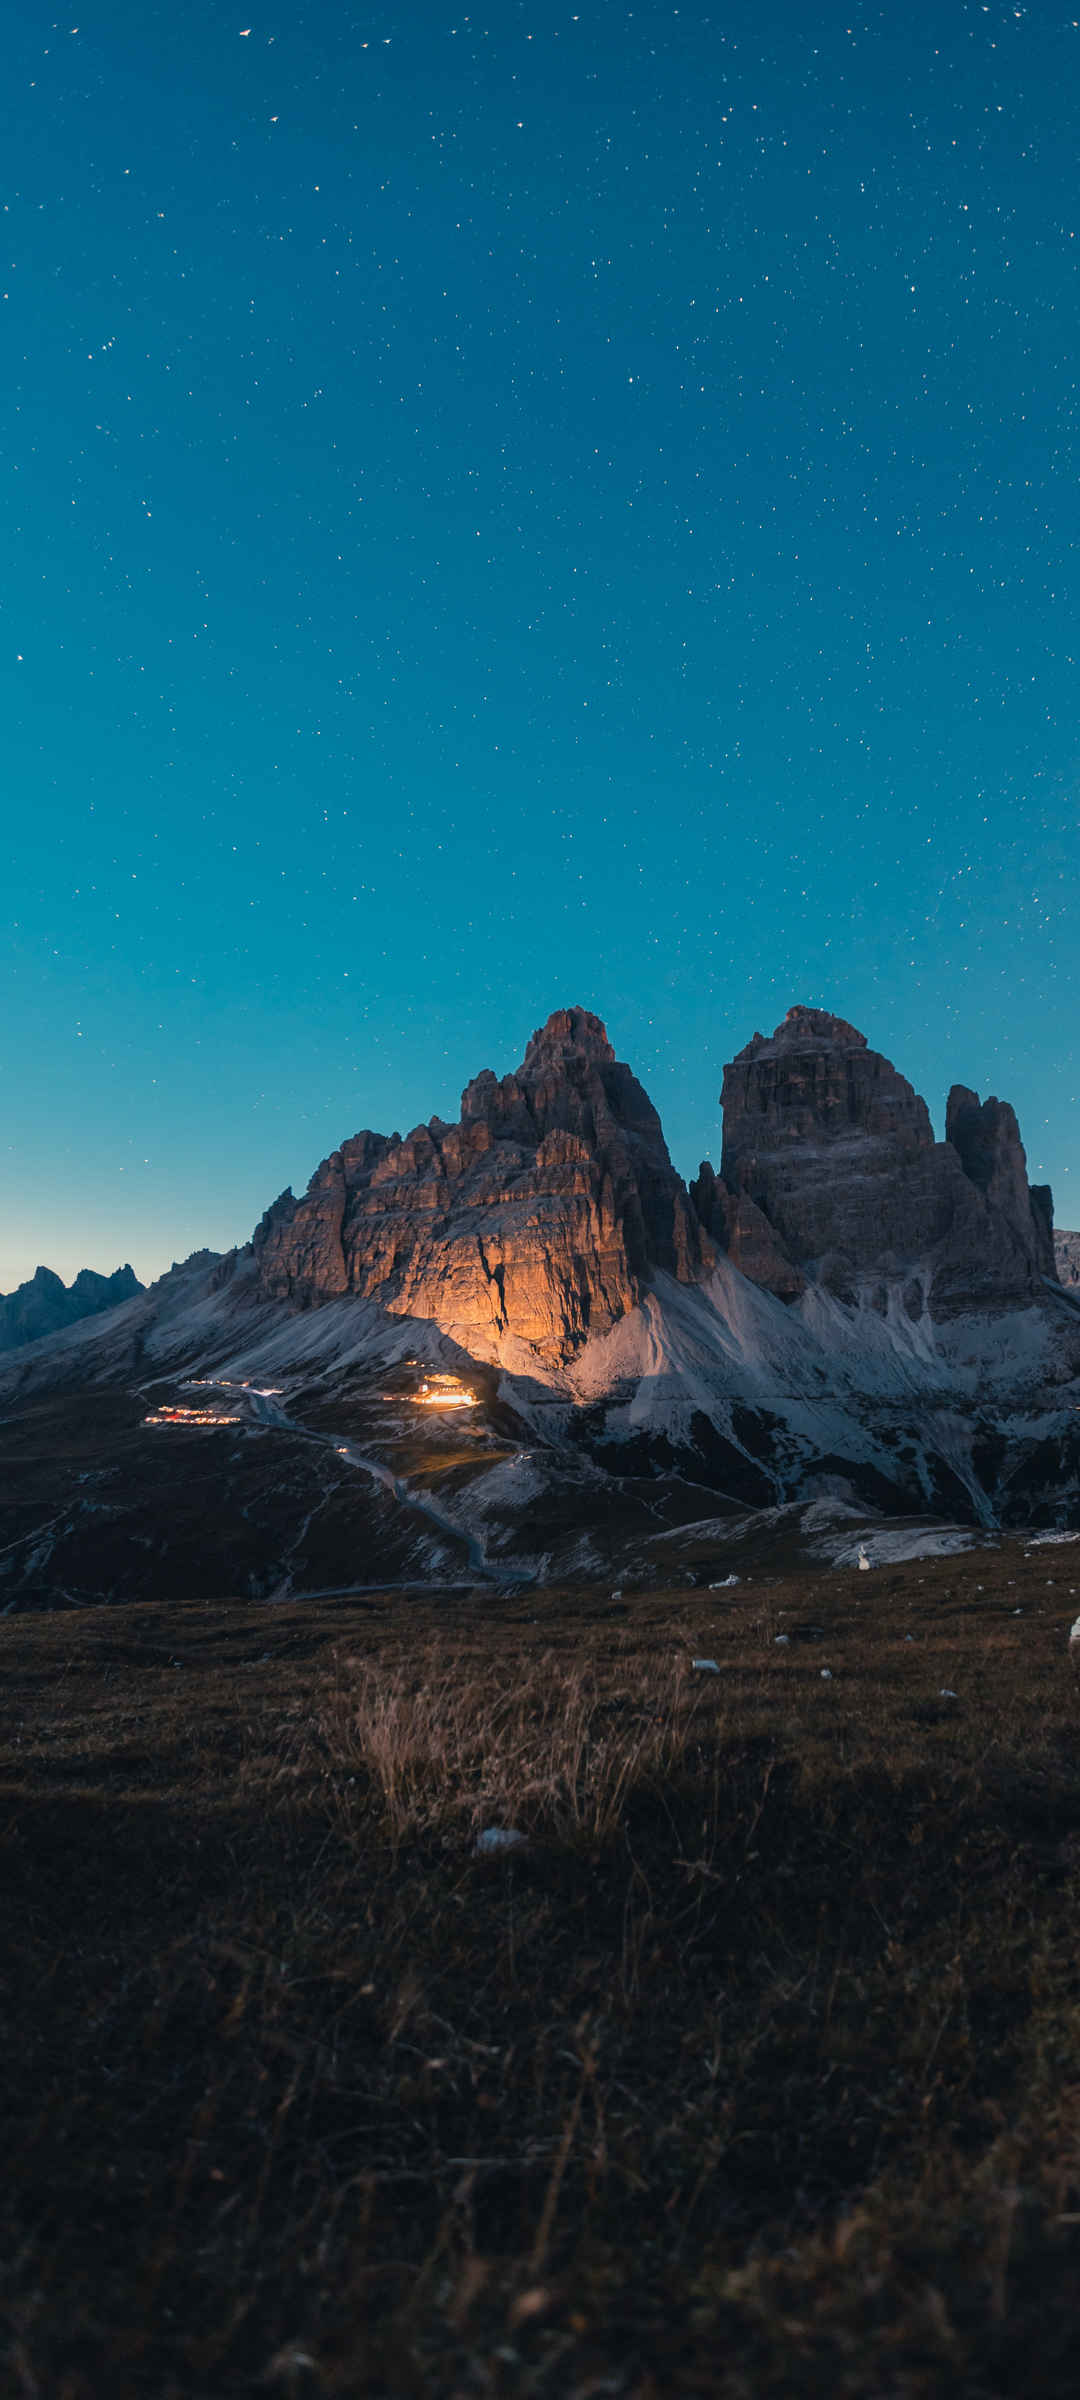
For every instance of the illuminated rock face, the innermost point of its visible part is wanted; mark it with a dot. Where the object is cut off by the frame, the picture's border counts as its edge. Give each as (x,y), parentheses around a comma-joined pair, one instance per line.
(831,1173)
(539,1216)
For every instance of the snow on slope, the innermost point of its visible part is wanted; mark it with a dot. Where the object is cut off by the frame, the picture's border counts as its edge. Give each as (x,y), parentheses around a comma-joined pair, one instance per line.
(796,1536)
(895,1545)
(804,1394)
(836,1381)
(687,1343)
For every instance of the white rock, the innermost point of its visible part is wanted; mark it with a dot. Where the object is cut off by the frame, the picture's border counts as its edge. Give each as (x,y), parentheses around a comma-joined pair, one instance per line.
(722,1586)
(498,1837)
(826,1675)
(863,1561)
(945,1693)
(781,1638)
(705,1666)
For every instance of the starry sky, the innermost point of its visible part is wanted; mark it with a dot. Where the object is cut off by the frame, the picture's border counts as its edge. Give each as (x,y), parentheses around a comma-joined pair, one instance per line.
(520,508)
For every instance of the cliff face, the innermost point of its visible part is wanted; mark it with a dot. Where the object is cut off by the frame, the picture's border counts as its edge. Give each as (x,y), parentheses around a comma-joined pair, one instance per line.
(834,1153)
(986,1137)
(1067,1259)
(738,1226)
(45,1304)
(540,1214)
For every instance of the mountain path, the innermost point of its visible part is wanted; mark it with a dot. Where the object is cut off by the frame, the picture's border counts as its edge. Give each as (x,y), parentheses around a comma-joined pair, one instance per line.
(265,1410)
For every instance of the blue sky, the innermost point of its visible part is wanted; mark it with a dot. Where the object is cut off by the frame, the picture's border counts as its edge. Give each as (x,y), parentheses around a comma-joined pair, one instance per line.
(516,510)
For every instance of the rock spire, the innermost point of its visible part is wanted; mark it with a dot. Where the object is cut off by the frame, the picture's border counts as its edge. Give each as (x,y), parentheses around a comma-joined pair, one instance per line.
(540,1215)
(830,1173)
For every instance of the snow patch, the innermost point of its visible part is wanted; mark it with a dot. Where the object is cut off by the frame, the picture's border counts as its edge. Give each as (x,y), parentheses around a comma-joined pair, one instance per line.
(893,1546)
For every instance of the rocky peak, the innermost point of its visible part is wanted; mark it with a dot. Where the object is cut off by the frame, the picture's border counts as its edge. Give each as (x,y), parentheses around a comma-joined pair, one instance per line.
(986,1137)
(834,1152)
(541,1215)
(105,1291)
(569,1033)
(807,1110)
(803,1029)
(565,1082)
(537,1218)
(45,1304)
(815,1080)
(44,1284)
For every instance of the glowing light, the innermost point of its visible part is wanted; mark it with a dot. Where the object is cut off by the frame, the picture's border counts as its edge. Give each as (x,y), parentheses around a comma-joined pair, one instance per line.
(189,1416)
(445,1392)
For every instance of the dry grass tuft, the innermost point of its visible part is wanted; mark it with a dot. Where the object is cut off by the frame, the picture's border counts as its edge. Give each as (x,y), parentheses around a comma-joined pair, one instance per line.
(539,1743)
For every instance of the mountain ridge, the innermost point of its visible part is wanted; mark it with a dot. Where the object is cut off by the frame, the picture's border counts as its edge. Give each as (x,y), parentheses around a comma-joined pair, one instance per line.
(44,1304)
(541,1214)
(857,1322)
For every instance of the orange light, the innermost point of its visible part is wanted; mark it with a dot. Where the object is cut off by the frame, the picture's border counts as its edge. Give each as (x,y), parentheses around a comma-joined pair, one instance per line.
(189,1416)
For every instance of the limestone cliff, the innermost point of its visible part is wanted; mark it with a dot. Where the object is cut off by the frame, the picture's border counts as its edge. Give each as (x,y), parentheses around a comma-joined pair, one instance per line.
(542,1214)
(834,1152)
(539,1215)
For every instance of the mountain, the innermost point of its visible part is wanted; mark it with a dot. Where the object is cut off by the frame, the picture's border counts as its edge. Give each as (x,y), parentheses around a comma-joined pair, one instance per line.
(530,1226)
(518,1348)
(45,1305)
(830,1174)
(535,1223)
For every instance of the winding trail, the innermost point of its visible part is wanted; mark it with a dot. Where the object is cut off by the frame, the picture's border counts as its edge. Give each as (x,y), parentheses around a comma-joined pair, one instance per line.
(265,1410)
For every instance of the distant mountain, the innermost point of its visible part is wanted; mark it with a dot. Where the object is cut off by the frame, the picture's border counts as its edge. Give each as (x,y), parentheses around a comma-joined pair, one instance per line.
(46,1305)
(1067,1258)
(517,1347)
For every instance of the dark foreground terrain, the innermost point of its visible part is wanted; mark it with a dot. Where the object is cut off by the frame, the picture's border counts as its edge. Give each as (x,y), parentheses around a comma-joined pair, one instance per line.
(757,2071)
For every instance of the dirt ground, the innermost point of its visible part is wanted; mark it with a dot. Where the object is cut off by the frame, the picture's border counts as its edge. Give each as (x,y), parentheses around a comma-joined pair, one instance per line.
(753,2068)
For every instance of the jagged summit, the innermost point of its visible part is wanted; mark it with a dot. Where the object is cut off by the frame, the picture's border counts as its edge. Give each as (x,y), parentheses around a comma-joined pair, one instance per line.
(815,1080)
(45,1304)
(830,1173)
(803,1028)
(544,1214)
(569,1033)
(538,1218)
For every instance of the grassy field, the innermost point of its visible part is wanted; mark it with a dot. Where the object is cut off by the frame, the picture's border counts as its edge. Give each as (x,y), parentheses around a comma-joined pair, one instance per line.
(754,2070)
